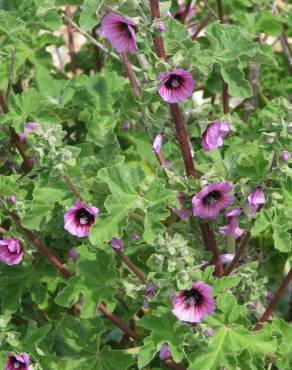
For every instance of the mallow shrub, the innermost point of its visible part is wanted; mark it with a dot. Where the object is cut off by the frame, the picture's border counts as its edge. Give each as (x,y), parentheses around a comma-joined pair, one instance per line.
(146,184)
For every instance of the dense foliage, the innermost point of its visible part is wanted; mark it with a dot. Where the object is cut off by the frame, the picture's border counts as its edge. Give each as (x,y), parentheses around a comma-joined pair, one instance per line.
(119,228)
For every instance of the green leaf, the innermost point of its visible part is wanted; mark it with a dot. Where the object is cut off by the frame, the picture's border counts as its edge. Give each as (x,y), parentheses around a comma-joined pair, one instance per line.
(34,336)
(88,16)
(165,329)
(225,282)
(95,281)
(227,343)
(262,223)
(131,189)
(282,239)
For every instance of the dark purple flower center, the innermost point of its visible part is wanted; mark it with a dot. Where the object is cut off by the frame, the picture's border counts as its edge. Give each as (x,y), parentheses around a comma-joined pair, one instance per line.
(211,197)
(18,364)
(173,81)
(192,297)
(125,29)
(84,217)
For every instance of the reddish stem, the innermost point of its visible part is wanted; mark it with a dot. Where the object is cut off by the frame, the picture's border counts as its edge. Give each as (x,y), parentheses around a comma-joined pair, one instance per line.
(208,235)
(73,187)
(71,41)
(201,25)
(185,13)
(211,245)
(183,140)
(131,266)
(27,161)
(130,73)
(244,240)
(271,307)
(113,318)
(98,62)
(220,10)
(41,247)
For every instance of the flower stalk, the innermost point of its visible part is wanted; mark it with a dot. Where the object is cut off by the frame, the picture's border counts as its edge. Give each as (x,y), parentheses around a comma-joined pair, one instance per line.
(71,41)
(271,307)
(243,242)
(208,235)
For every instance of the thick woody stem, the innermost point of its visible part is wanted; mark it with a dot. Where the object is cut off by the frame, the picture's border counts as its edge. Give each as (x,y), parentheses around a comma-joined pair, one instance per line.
(211,245)
(71,41)
(183,140)
(66,273)
(131,266)
(244,240)
(208,235)
(220,10)
(130,73)
(27,161)
(39,245)
(271,307)
(113,318)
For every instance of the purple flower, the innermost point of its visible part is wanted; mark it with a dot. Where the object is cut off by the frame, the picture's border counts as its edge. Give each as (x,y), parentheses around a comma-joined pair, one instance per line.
(270,296)
(117,243)
(181,212)
(209,332)
(79,218)
(20,361)
(12,199)
(214,135)
(194,304)
(157,143)
(160,27)
(226,258)
(212,199)
(150,289)
(73,254)
(135,236)
(168,165)
(285,156)
(120,32)
(253,305)
(256,199)
(28,128)
(177,85)
(232,227)
(126,125)
(164,352)
(11,251)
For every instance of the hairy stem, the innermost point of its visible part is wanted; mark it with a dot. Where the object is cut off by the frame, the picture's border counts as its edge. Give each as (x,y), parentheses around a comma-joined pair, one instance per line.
(201,26)
(186,11)
(71,41)
(130,73)
(131,266)
(271,307)
(208,235)
(27,160)
(244,240)
(73,187)
(114,319)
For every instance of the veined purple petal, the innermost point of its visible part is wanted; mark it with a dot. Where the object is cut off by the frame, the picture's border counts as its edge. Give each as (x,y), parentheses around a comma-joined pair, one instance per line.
(177,86)
(164,352)
(79,218)
(256,199)
(117,243)
(11,252)
(194,304)
(285,156)
(212,199)
(214,135)
(20,361)
(157,143)
(120,32)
